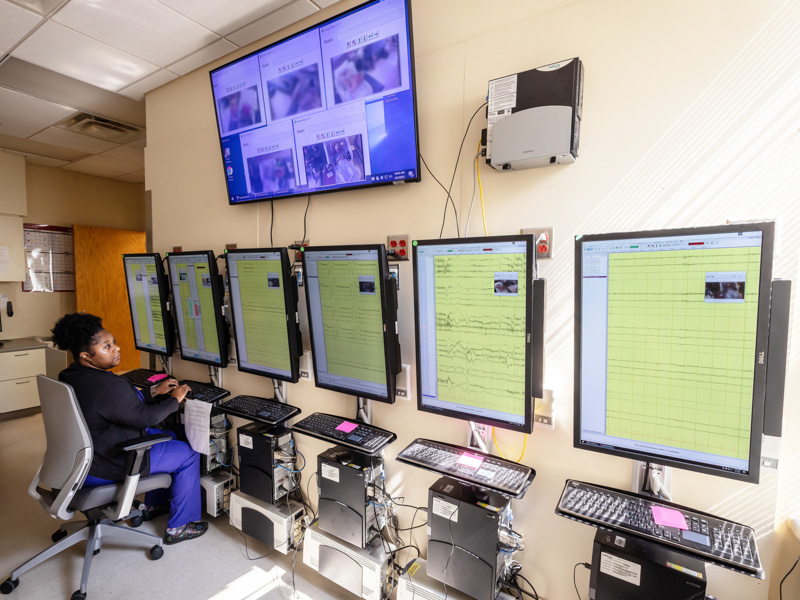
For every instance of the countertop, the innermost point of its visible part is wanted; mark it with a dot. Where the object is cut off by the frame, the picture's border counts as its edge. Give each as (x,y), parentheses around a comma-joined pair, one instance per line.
(21,344)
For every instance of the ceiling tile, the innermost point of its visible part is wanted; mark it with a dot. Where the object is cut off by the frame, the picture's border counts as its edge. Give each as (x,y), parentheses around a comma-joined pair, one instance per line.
(224,17)
(24,115)
(325,3)
(151,82)
(44,161)
(283,17)
(26,146)
(41,7)
(76,141)
(15,23)
(202,57)
(142,143)
(60,49)
(79,168)
(118,167)
(142,28)
(137,177)
(126,153)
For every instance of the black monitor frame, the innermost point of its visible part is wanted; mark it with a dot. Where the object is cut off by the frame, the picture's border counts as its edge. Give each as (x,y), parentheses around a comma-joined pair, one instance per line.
(534,335)
(163,292)
(292,318)
(388,300)
(759,356)
(376,181)
(217,294)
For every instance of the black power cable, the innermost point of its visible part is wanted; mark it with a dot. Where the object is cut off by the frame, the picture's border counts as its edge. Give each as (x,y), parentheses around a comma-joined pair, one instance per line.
(575,577)
(449,198)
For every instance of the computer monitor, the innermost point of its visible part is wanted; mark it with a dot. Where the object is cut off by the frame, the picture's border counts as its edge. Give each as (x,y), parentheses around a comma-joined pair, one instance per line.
(478,329)
(671,331)
(263,298)
(197,297)
(148,291)
(352,316)
(332,107)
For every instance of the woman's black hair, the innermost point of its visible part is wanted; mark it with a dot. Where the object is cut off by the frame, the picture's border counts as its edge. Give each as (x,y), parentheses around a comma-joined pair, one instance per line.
(76,332)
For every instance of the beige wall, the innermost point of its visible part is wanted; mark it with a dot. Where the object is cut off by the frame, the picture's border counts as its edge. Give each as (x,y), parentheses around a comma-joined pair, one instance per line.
(690,118)
(58,197)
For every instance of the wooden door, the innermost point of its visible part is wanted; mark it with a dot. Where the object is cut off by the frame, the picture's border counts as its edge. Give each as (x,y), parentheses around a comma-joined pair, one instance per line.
(100,282)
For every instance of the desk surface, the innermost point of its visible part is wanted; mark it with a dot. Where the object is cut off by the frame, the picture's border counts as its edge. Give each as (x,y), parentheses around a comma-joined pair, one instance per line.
(21,344)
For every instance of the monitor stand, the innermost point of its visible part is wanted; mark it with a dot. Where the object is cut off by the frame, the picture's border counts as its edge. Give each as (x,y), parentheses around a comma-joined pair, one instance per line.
(478,436)
(652,479)
(281,391)
(364,409)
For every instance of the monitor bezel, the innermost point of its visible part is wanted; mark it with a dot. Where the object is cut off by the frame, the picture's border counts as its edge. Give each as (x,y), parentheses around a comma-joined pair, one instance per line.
(164,291)
(217,295)
(413,89)
(389,326)
(290,306)
(762,335)
(527,425)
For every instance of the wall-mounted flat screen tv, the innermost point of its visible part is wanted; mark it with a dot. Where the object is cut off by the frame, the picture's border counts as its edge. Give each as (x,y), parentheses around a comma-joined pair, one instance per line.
(330,108)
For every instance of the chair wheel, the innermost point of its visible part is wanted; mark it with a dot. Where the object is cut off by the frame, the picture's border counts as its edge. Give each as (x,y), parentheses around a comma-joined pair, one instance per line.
(8,586)
(136,521)
(58,535)
(156,552)
(78,596)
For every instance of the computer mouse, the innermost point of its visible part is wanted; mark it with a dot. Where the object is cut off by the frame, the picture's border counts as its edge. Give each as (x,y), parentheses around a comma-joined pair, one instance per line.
(345,457)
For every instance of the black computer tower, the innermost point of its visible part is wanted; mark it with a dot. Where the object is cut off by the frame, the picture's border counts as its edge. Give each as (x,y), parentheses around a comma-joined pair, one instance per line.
(266,459)
(346,506)
(464,539)
(625,567)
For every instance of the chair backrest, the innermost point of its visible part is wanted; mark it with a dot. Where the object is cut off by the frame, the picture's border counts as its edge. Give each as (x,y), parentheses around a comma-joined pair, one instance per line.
(69,445)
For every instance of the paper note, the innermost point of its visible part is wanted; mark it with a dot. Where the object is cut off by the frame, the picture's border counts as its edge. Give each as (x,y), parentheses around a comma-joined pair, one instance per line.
(470,460)
(197,421)
(668,517)
(346,426)
(5,261)
(158,377)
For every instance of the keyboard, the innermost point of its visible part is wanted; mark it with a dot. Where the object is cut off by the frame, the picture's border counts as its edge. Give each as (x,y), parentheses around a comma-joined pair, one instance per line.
(469,466)
(359,436)
(204,391)
(715,540)
(141,377)
(259,409)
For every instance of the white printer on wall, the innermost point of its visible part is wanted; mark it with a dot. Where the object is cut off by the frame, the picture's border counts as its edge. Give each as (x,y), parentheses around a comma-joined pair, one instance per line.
(534,117)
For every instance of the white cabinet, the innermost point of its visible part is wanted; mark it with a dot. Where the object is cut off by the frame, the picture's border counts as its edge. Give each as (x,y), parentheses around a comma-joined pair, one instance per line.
(18,371)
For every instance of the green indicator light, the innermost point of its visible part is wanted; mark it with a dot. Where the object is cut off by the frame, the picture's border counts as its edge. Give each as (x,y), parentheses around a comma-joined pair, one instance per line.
(302,248)
(414,243)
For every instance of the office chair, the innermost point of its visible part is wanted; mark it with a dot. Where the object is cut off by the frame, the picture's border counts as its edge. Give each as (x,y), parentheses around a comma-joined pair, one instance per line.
(58,485)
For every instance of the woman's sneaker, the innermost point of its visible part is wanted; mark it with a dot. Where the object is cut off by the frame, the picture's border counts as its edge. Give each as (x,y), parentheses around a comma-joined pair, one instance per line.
(188,532)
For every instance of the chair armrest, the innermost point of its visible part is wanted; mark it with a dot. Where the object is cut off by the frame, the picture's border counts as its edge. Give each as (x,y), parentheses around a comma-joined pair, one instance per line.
(136,449)
(146,441)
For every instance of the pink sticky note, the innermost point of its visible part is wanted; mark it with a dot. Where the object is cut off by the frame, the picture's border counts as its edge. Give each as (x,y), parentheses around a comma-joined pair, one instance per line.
(470,460)
(668,517)
(346,426)
(158,377)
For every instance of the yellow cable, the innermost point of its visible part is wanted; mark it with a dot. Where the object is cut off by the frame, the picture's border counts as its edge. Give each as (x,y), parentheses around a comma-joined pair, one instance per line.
(524,447)
(480,187)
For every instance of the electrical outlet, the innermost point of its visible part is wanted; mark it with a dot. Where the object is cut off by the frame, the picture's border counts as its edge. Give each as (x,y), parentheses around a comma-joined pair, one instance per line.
(402,386)
(544,414)
(304,244)
(544,246)
(401,244)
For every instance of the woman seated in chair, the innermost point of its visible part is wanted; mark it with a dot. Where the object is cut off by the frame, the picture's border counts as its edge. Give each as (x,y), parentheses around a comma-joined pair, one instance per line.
(115,411)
